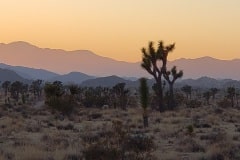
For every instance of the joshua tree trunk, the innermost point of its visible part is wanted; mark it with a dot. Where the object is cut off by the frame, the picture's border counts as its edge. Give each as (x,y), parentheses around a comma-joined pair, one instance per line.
(171,96)
(145,119)
(232,101)
(159,94)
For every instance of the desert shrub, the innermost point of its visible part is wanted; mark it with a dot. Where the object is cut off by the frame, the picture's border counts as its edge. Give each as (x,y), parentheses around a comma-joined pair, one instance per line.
(95,116)
(90,138)
(117,143)
(214,137)
(62,104)
(218,110)
(193,103)
(65,127)
(139,143)
(73,157)
(223,150)
(190,129)
(200,123)
(101,152)
(188,144)
(57,99)
(179,98)
(238,129)
(224,103)
(33,129)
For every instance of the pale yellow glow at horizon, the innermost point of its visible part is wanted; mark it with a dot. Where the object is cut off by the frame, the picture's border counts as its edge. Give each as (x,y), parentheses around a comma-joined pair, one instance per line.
(119,29)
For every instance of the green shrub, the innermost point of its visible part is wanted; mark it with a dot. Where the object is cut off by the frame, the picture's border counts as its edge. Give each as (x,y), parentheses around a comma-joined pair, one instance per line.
(190,129)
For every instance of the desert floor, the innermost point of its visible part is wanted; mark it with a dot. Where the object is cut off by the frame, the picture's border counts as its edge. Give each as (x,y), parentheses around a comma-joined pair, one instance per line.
(204,133)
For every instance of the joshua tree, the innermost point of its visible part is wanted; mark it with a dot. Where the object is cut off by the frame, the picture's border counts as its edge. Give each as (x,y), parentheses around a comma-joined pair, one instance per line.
(6,86)
(56,89)
(16,89)
(74,90)
(144,99)
(187,90)
(231,94)
(150,62)
(121,94)
(171,77)
(36,87)
(214,92)
(207,96)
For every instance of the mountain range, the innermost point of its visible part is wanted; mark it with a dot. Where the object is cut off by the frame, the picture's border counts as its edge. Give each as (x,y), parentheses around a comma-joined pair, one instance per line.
(32,62)
(58,61)
(109,81)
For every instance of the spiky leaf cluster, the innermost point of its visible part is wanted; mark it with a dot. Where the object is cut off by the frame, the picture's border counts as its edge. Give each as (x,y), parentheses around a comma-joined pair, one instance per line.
(172,75)
(151,57)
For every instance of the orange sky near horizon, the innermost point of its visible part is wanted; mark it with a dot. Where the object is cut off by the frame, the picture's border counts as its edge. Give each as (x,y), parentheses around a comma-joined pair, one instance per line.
(119,29)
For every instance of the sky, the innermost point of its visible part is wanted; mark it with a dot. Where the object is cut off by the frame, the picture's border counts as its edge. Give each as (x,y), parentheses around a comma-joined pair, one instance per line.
(120,28)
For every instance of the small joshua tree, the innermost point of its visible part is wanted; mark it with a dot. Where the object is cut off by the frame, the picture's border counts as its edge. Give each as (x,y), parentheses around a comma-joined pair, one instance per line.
(231,94)
(187,90)
(207,96)
(214,92)
(171,77)
(144,98)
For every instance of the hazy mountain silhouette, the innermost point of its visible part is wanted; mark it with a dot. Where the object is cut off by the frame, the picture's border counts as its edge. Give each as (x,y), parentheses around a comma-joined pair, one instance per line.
(8,75)
(73,77)
(208,66)
(60,61)
(206,82)
(30,73)
(109,81)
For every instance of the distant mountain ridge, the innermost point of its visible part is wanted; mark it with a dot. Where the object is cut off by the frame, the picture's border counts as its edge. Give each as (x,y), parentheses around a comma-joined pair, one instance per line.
(72,77)
(109,81)
(84,61)
(209,67)
(30,73)
(8,75)
(62,62)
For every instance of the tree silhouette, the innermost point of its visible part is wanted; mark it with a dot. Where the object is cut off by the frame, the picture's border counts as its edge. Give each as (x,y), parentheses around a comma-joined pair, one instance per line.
(171,77)
(154,61)
(16,89)
(207,96)
(214,92)
(187,90)
(56,89)
(144,99)
(231,94)
(121,95)
(36,87)
(6,86)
